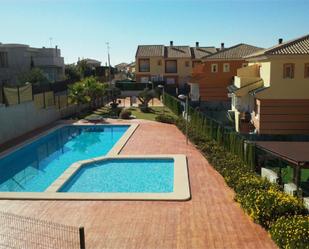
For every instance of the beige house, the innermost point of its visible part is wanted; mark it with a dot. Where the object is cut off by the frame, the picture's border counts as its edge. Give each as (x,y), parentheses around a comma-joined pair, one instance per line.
(16,59)
(272,93)
(172,64)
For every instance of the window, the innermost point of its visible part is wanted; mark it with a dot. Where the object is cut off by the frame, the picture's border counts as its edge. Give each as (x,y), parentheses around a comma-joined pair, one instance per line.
(3,59)
(244,64)
(226,67)
(187,63)
(288,71)
(307,70)
(144,65)
(159,62)
(214,68)
(171,66)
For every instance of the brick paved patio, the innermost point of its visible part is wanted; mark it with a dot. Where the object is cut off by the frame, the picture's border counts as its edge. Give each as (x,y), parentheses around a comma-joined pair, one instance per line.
(210,220)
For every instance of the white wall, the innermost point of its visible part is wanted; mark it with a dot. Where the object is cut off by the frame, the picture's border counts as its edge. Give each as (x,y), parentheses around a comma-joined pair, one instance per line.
(19,119)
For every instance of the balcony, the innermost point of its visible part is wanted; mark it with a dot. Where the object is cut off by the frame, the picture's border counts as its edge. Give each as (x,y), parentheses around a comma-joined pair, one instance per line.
(247,76)
(245,81)
(250,71)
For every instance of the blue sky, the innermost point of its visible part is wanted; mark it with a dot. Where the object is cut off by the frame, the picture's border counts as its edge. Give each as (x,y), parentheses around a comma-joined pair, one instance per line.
(81,27)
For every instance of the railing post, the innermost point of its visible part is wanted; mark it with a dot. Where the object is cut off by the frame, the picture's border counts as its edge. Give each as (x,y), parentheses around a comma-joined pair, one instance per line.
(44,101)
(82,238)
(18,95)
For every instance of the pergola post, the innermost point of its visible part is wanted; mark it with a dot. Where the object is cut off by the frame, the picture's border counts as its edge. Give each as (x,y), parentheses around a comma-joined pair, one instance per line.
(297,174)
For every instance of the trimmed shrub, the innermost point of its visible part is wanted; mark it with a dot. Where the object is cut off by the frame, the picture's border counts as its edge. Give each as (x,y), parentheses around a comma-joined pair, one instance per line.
(248,182)
(163,118)
(172,103)
(291,232)
(266,206)
(125,114)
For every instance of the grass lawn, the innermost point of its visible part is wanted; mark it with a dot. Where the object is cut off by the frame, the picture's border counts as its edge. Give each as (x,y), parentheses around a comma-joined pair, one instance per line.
(155,111)
(107,112)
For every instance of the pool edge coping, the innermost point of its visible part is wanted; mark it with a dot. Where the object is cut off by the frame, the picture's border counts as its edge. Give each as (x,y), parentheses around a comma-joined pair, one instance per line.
(181,184)
(181,174)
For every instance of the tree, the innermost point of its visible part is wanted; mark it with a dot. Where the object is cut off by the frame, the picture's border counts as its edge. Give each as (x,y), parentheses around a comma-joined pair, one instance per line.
(94,89)
(144,97)
(87,91)
(114,93)
(34,76)
(72,72)
(84,69)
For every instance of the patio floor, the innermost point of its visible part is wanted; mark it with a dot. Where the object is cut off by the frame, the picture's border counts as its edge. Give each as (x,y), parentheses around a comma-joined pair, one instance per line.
(211,219)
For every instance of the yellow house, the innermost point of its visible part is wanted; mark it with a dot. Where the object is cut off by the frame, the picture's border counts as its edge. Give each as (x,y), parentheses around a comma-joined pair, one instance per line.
(172,64)
(272,94)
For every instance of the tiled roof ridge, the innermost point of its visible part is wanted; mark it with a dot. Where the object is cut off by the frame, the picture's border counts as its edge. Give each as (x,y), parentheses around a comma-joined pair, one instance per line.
(224,50)
(285,44)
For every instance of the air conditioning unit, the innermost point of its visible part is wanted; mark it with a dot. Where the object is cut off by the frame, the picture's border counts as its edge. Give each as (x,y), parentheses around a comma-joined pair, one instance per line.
(290,188)
(270,175)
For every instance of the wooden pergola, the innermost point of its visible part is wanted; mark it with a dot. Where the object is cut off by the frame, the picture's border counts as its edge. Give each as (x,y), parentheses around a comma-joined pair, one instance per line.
(295,153)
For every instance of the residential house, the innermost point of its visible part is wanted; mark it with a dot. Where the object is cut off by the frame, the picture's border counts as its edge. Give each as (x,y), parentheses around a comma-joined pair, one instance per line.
(272,93)
(130,68)
(172,64)
(91,63)
(121,67)
(211,78)
(17,59)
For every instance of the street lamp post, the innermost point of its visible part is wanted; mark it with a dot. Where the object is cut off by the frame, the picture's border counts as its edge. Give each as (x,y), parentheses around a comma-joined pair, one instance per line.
(109,63)
(185,97)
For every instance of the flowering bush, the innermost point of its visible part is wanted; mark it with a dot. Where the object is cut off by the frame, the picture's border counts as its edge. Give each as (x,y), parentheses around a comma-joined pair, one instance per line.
(249,182)
(266,206)
(262,200)
(291,232)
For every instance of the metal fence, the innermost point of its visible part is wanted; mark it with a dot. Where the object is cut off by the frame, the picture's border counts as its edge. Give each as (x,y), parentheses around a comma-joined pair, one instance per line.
(19,232)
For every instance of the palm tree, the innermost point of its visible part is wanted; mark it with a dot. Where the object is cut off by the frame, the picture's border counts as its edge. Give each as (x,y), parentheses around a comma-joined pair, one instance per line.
(87,91)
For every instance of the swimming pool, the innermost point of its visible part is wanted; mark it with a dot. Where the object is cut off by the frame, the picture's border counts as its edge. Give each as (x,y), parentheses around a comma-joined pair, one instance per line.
(33,167)
(123,175)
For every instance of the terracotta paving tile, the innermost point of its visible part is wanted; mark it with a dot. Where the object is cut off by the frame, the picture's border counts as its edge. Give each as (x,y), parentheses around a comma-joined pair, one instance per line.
(211,219)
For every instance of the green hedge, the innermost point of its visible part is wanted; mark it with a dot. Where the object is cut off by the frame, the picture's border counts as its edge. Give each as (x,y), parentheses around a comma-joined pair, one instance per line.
(291,232)
(130,86)
(265,206)
(212,129)
(263,201)
(172,103)
(163,118)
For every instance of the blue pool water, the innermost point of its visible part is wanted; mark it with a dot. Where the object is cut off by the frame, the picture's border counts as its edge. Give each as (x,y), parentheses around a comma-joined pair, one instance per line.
(123,175)
(33,167)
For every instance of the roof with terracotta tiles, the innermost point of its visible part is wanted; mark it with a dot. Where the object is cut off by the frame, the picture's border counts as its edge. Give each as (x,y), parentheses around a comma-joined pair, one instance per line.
(236,52)
(298,46)
(150,50)
(174,51)
(200,52)
(177,52)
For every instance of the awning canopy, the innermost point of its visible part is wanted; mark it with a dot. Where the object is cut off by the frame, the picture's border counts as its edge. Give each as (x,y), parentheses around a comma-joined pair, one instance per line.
(296,153)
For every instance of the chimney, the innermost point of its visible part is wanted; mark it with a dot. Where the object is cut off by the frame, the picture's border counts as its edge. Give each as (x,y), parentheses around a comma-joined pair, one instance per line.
(280,40)
(56,50)
(197,44)
(171,43)
(222,45)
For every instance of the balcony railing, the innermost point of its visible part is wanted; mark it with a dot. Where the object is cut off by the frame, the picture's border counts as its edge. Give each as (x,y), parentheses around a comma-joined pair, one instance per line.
(245,81)
(249,71)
